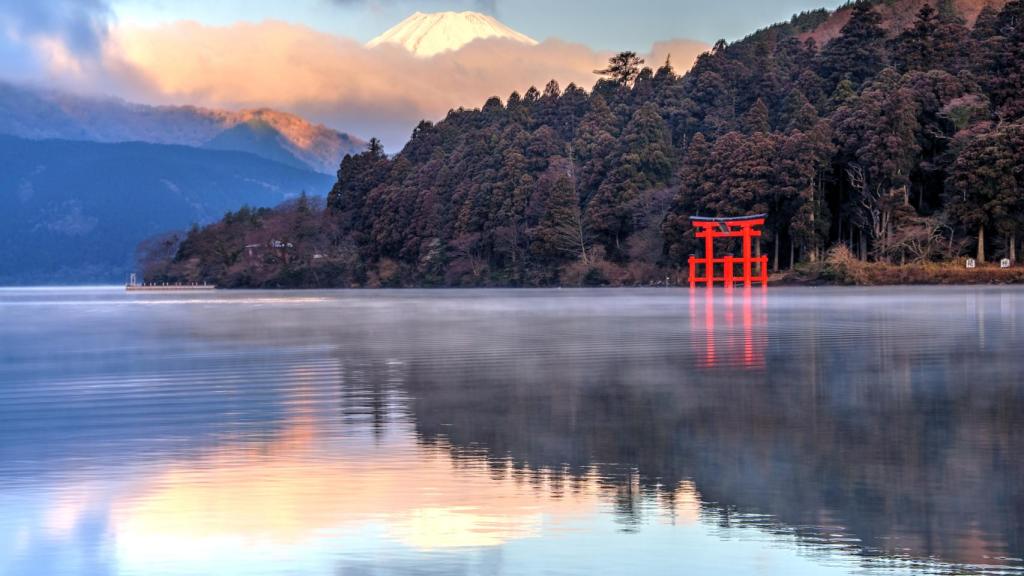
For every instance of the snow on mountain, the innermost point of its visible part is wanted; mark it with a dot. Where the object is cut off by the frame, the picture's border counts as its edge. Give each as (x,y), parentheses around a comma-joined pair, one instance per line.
(427,35)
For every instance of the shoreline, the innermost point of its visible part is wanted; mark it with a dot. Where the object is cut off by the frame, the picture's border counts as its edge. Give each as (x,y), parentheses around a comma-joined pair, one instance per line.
(849,272)
(789,279)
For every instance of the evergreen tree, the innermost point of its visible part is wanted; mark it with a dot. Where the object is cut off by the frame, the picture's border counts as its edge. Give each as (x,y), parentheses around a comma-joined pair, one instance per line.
(562,232)
(801,168)
(679,243)
(595,145)
(986,25)
(357,176)
(716,101)
(623,68)
(645,161)
(843,94)
(877,134)
(915,48)
(1005,65)
(813,88)
(375,148)
(933,42)
(756,119)
(985,184)
(859,51)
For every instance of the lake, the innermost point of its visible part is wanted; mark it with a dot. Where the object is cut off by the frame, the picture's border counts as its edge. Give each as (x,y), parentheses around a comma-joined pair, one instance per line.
(657,431)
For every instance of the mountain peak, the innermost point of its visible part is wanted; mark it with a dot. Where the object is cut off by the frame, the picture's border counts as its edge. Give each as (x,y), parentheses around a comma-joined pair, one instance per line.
(430,34)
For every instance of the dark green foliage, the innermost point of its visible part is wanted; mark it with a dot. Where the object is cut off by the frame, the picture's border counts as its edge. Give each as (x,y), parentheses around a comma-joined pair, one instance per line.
(1003,62)
(933,43)
(899,147)
(645,161)
(876,134)
(808,21)
(623,68)
(986,25)
(987,183)
(859,52)
(756,119)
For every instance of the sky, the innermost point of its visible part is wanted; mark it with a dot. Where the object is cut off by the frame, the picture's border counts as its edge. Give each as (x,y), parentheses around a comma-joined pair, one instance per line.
(601,24)
(308,56)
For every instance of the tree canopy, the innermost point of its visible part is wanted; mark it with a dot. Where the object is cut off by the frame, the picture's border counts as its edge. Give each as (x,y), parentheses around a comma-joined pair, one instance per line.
(899,144)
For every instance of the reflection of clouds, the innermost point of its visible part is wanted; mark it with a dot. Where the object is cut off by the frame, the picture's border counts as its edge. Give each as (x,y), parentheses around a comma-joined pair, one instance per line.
(287,495)
(680,506)
(463,527)
(64,533)
(406,433)
(68,510)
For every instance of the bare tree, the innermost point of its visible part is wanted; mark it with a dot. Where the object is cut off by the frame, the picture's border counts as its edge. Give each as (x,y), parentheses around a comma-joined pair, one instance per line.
(877,205)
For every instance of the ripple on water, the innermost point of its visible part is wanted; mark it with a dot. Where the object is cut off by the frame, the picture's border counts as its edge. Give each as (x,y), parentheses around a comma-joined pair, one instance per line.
(868,431)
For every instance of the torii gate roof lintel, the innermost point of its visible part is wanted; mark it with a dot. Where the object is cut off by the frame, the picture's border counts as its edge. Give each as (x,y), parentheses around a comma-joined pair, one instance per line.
(729,219)
(736,227)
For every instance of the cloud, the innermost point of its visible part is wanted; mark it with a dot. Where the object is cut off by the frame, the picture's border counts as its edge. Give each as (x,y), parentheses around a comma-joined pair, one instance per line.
(80,24)
(382,92)
(76,45)
(38,38)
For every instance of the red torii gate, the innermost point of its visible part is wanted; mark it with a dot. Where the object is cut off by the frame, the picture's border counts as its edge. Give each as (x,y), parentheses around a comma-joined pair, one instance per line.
(745,227)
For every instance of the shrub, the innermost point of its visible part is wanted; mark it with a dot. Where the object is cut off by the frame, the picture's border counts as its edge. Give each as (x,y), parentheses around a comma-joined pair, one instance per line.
(842,267)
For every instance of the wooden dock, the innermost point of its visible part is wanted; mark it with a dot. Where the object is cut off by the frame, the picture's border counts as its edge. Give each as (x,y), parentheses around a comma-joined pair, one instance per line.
(169,287)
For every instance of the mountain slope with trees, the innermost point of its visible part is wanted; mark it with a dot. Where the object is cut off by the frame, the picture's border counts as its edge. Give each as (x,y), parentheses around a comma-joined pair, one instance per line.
(899,144)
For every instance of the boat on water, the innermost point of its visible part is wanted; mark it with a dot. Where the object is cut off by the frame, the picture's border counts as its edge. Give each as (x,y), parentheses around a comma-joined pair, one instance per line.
(135,286)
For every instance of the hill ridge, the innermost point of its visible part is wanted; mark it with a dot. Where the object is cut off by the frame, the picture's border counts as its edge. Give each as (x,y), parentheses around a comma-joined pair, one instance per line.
(44,113)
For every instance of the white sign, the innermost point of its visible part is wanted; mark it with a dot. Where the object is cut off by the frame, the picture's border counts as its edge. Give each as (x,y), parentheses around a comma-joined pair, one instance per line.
(1004,263)
(971,263)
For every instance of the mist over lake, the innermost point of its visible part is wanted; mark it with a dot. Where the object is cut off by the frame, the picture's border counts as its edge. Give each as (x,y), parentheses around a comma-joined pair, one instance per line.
(659,431)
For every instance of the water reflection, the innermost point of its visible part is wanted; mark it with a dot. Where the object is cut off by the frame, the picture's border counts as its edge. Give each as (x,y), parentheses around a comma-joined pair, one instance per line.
(480,432)
(745,344)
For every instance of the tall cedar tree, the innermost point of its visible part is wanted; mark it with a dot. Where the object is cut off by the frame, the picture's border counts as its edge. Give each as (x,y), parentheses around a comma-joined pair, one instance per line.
(859,51)
(876,132)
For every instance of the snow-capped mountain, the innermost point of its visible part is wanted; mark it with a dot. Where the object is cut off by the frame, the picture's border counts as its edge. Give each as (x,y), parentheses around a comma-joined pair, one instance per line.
(427,35)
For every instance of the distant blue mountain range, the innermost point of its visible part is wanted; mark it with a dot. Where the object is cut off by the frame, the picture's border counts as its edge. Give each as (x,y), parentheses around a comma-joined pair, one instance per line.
(73,212)
(37,113)
(84,179)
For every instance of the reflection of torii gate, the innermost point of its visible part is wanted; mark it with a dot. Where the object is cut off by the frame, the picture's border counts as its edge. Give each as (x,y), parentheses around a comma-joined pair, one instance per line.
(745,227)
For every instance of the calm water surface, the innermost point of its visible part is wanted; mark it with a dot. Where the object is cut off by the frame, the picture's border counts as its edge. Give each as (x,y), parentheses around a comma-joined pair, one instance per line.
(799,431)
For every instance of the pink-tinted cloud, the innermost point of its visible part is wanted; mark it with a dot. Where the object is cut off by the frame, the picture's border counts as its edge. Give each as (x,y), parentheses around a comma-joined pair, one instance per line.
(382,91)
(77,45)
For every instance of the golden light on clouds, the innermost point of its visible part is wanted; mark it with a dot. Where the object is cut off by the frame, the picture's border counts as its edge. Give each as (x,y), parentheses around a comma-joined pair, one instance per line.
(337,80)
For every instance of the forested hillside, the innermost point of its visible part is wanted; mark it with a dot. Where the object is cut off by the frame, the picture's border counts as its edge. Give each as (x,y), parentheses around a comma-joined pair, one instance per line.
(901,144)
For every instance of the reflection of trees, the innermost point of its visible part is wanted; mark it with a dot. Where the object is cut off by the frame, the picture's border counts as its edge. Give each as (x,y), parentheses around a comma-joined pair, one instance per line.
(908,449)
(891,424)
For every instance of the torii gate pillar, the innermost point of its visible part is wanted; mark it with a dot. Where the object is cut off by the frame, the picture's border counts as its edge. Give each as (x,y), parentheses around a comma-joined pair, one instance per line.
(746,228)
